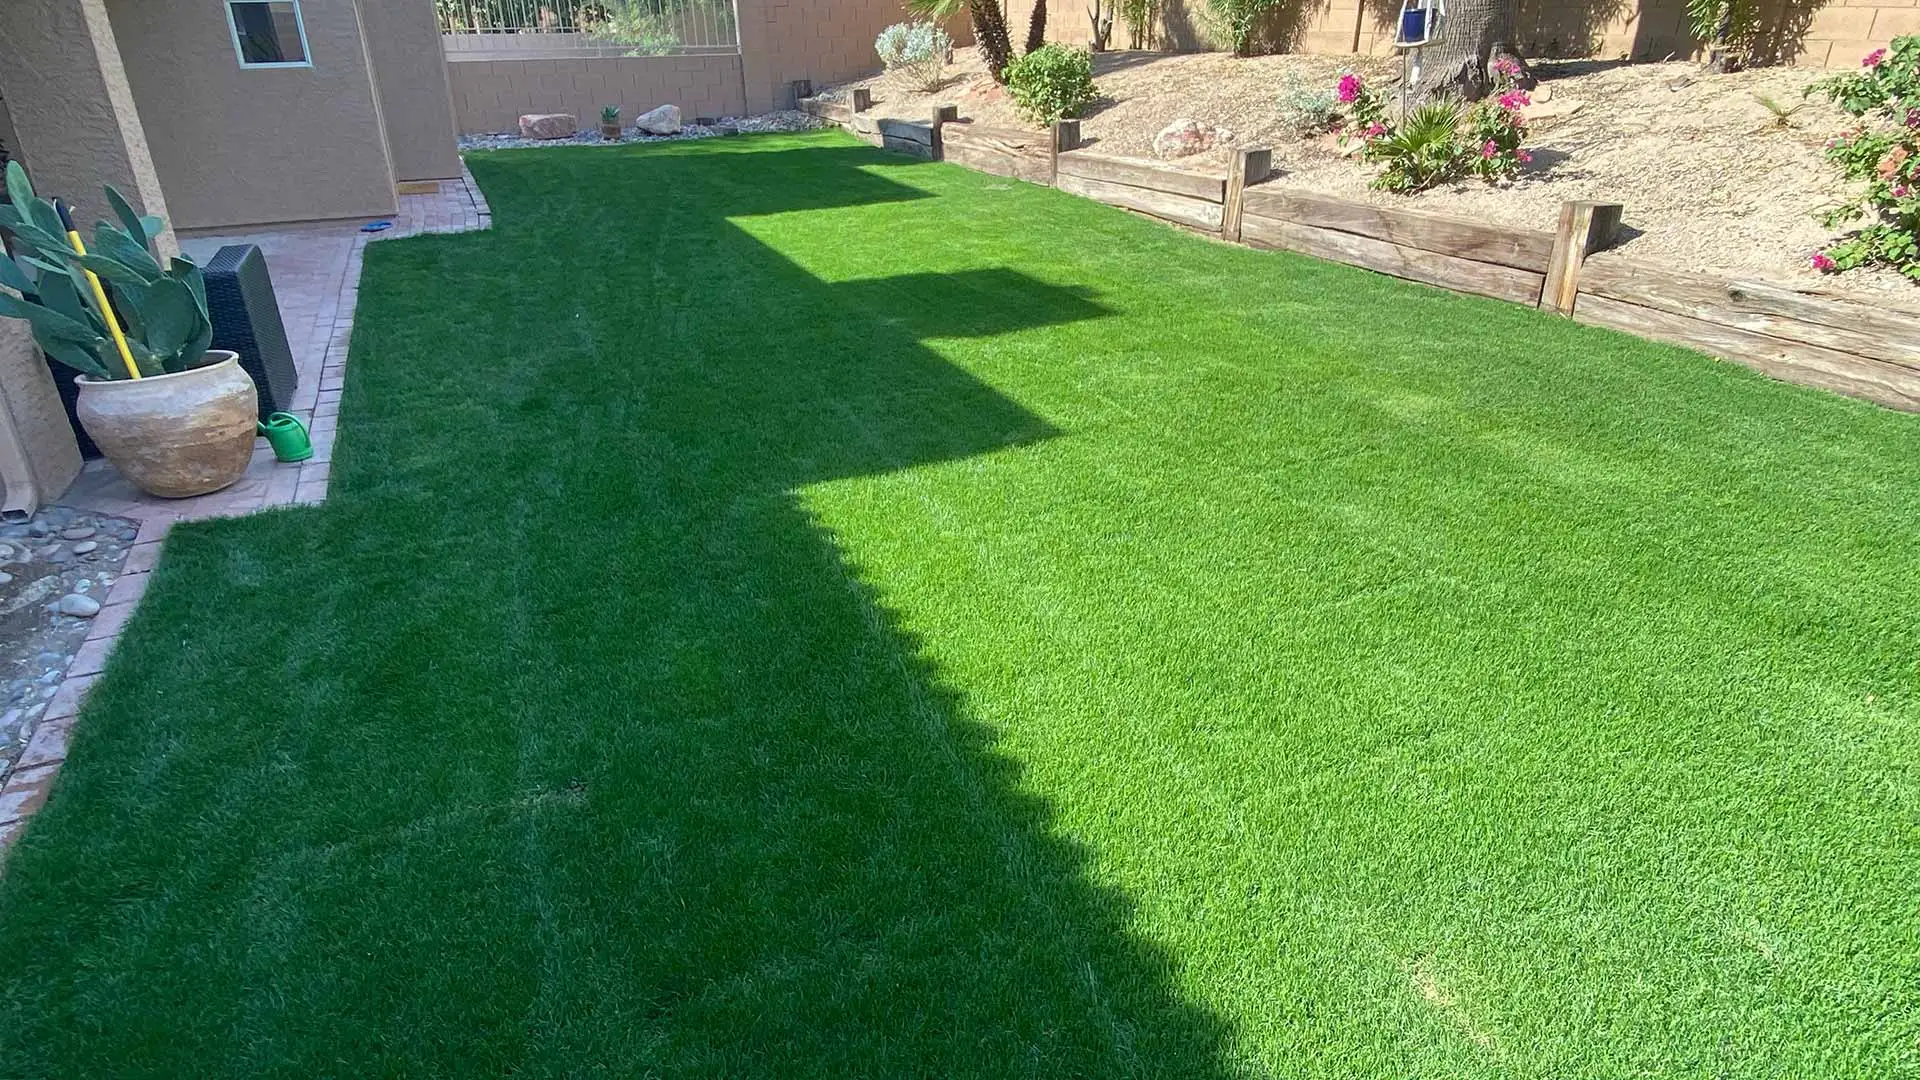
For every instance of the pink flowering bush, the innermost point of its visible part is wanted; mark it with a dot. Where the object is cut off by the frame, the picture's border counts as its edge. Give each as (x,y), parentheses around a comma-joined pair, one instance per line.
(1495,124)
(1883,155)
(1441,141)
(1366,111)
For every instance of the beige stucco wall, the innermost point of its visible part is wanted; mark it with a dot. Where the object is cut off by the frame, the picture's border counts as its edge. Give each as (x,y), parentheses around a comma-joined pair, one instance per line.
(415,102)
(71,108)
(238,146)
(39,456)
(10,139)
(491,95)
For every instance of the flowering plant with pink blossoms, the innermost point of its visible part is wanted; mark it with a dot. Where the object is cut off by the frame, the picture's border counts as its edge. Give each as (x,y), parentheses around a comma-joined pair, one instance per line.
(1483,139)
(1883,156)
(1496,127)
(1366,110)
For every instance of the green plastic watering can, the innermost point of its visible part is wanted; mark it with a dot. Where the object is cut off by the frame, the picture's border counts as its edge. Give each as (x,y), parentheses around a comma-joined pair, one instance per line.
(288,437)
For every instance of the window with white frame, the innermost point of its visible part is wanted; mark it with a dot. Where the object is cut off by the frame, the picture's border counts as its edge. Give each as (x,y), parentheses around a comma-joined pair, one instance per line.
(268,33)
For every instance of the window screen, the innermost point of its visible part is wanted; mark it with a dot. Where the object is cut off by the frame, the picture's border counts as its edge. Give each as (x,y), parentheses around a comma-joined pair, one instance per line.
(268,33)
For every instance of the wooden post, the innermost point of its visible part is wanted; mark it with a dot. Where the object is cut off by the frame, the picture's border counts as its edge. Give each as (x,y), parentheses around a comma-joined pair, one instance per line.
(862,99)
(1585,227)
(1249,166)
(1066,136)
(802,88)
(942,116)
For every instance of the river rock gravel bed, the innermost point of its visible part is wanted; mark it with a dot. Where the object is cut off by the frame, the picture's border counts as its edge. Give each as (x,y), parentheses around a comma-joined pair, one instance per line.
(54,574)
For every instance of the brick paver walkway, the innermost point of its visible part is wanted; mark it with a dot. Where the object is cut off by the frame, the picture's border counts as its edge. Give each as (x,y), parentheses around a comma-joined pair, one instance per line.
(316,278)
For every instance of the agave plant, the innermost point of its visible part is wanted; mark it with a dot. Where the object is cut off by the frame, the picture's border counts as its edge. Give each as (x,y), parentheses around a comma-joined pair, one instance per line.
(162,311)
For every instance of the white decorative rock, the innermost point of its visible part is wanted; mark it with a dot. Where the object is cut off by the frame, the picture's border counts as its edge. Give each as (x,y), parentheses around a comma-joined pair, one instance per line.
(1183,138)
(1550,110)
(664,120)
(86,607)
(548,125)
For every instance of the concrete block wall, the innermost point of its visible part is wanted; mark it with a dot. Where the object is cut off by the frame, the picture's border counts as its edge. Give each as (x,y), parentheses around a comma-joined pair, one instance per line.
(1810,33)
(821,41)
(491,95)
(1840,34)
(780,41)
(785,40)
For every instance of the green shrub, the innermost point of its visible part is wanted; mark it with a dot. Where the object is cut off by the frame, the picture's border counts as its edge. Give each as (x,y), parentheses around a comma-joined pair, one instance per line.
(635,23)
(1307,110)
(1725,28)
(916,52)
(1236,21)
(1443,140)
(1051,83)
(1884,156)
(1139,16)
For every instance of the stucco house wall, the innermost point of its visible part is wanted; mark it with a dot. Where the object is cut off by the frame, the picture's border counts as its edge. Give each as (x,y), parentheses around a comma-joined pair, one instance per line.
(71,108)
(416,102)
(237,145)
(490,95)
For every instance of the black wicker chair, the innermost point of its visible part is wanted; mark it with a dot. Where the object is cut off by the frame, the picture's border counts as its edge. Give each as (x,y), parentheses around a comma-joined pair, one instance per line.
(246,319)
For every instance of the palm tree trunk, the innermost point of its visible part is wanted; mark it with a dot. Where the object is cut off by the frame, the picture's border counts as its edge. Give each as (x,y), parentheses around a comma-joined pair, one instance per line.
(1474,33)
(1037,26)
(990,30)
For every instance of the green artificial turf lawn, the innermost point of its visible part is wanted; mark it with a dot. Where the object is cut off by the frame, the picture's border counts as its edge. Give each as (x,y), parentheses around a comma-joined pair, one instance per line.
(785,610)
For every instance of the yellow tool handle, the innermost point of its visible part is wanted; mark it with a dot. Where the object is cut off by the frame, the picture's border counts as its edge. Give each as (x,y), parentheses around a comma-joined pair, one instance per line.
(106,308)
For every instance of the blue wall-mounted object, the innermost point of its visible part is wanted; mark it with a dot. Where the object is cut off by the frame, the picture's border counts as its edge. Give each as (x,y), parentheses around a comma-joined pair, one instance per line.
(1419,22)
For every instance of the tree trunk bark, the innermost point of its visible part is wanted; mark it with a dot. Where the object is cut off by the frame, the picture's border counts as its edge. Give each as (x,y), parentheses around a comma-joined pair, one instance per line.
(990,30)
(1473,34)
(1102,19)
(1037,26)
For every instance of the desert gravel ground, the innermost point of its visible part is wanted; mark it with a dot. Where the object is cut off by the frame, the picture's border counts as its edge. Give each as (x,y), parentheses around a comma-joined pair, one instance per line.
(1710,182)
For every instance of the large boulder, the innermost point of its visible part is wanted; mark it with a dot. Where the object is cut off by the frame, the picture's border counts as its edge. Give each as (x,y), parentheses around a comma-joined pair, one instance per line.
(1183,138)
(664,120)
(548,126)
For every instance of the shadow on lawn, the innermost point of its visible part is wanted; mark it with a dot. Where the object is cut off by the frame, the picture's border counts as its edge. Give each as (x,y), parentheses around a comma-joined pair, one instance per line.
(588,752)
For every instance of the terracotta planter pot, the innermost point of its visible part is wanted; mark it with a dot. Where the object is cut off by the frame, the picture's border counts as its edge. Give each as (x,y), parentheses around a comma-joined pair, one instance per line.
(174,435)
(610,132)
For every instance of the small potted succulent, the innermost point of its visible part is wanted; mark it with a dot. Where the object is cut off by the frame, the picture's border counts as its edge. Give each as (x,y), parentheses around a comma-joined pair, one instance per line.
(175,417)
(610,123)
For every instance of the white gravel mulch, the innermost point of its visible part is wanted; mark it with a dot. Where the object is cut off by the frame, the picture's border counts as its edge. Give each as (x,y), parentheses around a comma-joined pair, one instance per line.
(1708,181)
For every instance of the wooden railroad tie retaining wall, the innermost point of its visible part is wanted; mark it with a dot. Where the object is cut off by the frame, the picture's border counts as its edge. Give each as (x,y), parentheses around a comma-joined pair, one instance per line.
(1826,341)
(1022,155)
(1183,196)
(1847,346)
(1465,256)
